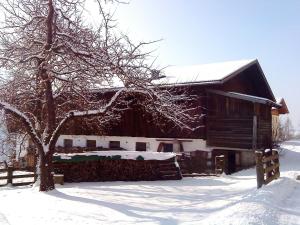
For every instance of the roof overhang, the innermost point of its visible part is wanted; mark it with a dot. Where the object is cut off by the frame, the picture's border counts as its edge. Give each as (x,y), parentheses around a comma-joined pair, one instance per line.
(249,98)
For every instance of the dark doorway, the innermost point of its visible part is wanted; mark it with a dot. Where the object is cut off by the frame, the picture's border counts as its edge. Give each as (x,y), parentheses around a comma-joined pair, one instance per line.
(231,162)
(168,147)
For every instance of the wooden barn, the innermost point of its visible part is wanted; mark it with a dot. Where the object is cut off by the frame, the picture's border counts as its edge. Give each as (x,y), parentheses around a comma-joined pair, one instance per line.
(235,103)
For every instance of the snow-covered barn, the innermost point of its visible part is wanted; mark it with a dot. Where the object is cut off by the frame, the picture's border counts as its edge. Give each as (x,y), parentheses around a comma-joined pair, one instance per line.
(235,102)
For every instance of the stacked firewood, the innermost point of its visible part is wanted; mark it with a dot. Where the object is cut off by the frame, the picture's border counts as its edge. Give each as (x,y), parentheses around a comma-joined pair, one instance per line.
(109,170)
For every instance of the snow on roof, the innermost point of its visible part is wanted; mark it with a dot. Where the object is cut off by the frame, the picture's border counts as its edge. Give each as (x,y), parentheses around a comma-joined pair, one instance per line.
(203,73)
(278,99)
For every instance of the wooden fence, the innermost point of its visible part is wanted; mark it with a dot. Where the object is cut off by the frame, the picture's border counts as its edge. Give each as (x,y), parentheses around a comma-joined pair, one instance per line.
(10,176)
(194,164)
(267,167)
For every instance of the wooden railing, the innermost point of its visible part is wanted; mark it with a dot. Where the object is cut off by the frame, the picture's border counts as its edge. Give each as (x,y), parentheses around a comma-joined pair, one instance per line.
(267,167)
(10,176)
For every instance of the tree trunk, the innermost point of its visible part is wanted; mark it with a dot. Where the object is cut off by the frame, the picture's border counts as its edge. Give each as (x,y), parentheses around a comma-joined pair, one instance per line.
(46,177)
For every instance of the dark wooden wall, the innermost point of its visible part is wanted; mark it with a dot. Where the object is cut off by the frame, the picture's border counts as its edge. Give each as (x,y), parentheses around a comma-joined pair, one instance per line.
(137,122)
(230,123)
(264,127)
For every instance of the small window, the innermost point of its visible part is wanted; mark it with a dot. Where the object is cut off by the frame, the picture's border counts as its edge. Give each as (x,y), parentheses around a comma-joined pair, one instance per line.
(168,147)
(114,144)
(68,143)
(91,143)
(141,146)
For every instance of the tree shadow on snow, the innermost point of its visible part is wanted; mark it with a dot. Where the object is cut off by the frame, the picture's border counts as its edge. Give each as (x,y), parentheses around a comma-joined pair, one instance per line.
(122,208)
(185,182)
(183,202)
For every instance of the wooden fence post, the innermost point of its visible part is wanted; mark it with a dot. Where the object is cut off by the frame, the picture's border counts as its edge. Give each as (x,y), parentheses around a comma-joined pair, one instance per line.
(259,169)
(10,171)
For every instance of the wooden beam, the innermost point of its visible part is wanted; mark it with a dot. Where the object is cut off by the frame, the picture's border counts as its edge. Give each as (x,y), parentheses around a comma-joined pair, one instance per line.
(271,168)
(254,133)
(259,169)
(173,140)
(275,176)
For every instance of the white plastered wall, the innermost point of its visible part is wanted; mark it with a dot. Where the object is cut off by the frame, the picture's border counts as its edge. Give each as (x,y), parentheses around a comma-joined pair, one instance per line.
(129,143)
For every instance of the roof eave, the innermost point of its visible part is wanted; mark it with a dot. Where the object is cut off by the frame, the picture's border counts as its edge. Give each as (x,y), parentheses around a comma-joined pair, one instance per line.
(250,98)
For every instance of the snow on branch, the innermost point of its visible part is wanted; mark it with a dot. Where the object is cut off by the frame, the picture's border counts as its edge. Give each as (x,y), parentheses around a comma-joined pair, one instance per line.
(55,60)
(23,118)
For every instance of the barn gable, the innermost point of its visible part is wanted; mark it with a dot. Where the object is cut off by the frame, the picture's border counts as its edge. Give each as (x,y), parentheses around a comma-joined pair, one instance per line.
(244,76)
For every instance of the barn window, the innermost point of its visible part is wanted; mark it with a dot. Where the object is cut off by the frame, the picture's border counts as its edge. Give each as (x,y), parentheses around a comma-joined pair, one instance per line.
(168,147)
(91,143)
(141,146)
(114,144)
(68,143)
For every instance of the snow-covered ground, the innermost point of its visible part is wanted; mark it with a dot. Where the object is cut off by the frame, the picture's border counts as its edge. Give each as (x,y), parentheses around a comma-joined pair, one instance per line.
(208,200)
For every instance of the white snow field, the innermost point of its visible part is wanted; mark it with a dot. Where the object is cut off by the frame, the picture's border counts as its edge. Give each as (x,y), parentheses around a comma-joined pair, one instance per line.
(207,200)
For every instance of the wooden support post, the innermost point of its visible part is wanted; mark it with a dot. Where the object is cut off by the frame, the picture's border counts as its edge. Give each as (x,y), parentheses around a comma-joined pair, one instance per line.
(219,164)
(254,133)
(10,171)
(259,169)
(277,171)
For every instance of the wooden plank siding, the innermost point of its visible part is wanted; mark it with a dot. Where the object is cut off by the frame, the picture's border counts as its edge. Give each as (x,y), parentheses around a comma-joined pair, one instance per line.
(136,122)
(230,123)
(229,132)
(264,137)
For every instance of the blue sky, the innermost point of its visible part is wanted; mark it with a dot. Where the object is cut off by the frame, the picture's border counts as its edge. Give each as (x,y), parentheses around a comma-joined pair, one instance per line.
(198,31)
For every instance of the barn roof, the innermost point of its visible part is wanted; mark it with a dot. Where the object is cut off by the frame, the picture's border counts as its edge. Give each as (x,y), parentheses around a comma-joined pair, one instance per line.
(213,73)
(283,109)
(205,73)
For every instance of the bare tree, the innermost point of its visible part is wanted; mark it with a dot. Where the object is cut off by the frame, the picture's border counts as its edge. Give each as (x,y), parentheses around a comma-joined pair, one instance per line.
(286,130)
(7,144)
(54,62)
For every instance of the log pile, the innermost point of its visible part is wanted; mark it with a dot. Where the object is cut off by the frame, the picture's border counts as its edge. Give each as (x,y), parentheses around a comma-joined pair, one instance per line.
(112,170)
